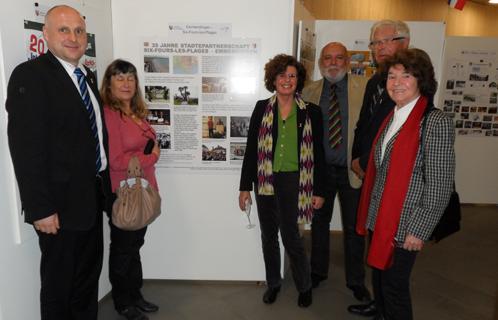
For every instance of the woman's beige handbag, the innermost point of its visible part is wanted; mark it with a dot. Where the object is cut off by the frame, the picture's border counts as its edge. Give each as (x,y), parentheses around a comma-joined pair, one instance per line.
(137,203)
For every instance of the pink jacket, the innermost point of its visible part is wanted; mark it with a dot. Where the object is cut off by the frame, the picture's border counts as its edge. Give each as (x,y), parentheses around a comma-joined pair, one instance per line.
(127,139)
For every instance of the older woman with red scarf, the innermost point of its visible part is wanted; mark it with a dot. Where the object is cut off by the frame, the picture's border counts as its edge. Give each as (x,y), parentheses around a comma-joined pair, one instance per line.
(408,182)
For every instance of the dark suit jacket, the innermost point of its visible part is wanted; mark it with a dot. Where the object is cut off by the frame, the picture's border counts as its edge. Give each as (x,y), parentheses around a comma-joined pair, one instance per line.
(249,173)
(371,117)
(52,145)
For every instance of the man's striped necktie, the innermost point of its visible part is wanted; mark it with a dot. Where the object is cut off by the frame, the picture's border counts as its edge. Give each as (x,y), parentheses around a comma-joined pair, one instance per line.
(85,95)
(335,137)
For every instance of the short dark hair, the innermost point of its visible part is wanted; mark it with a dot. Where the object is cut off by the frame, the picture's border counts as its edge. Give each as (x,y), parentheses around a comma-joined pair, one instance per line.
(417,63)
(278,65)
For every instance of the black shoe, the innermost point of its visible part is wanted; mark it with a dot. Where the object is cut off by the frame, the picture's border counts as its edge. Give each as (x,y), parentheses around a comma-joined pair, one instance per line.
(305,299)
(146,306)
(361,293)
(132,313)
(366,310)
(316,279)
(271,295)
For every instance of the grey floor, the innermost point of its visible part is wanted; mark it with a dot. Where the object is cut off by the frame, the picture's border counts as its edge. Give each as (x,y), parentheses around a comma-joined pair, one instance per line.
(456,279)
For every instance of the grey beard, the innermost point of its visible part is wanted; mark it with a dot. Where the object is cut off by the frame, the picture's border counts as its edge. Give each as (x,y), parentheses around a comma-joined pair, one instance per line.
(335,79)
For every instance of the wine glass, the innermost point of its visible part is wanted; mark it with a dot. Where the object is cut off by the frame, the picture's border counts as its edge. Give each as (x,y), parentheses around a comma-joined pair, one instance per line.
(248,214)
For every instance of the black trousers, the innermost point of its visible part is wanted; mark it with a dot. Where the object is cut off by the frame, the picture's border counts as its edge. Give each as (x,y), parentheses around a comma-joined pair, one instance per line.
(392,286)
(70,267)
(354,245)
(125,266)
(279,212)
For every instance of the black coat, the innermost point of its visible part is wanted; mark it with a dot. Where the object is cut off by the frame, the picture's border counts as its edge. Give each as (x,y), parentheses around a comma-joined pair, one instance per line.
(371,117)
(249,174)
(52,145)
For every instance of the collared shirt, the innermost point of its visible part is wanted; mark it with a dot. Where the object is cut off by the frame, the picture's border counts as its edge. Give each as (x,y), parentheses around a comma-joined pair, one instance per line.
(286,158)
(98,117)
(399,118)
(337,156)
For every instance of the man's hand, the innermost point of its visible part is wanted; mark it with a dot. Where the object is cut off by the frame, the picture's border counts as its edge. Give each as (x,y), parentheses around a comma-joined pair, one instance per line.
(48,225)
(243,197)
(317,202)
(413,243)
(355,166)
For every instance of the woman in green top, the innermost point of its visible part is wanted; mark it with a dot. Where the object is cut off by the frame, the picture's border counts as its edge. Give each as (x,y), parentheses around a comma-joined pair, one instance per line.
(284,160)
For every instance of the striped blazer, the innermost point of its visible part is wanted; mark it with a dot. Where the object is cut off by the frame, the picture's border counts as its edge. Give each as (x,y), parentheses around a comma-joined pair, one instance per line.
(431,182)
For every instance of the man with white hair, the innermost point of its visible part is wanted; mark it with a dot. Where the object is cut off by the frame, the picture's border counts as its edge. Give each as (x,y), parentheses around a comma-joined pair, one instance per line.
(339,96)
(386,38)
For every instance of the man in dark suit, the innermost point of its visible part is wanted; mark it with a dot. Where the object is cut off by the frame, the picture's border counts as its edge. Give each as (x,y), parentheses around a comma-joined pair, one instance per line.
(339,96)
(58,144)
(386,38)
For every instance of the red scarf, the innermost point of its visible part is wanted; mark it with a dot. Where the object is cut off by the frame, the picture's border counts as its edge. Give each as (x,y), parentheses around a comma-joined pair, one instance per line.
(399,173)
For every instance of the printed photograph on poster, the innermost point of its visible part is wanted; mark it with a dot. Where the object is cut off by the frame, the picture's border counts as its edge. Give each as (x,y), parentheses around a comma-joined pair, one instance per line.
(213,152)
(214,85)
(164,140)
(159,117)
(185,64)
(157,94)
(186,95)
(237,150)
(239,127)
(361,63)
(214,127)
(156,64)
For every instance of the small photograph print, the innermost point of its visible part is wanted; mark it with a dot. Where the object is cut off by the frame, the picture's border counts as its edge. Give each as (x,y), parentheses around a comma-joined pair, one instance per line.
(448,109)
(478,77)
(495,133)
(476,117)
(213,153)
(488,133)
(495,118)
(457,109)
(493,98)
(450,84)
(459,124)
(448,103)
(156,64)
(467,124)
(476,132)
(464,115)
(239,127)
(214,127)
(185,65)
(186,96)
(457,92)
(469,97)
(487,118)
(237,151)
(214,85)
(476,124)
(450,114)
(482,109)
(164,140)
(495,125)
(463,132)
(159,117)
(460,84)
(465,108)
(486,125)
(157,94)
(492,110)
(473,109)
(492,84)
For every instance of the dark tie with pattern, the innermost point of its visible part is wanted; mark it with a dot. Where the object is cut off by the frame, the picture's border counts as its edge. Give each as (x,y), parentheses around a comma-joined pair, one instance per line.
(85,95)
(335,136)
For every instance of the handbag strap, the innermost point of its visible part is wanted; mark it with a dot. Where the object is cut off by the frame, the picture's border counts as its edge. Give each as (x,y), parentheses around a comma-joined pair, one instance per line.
(134,168)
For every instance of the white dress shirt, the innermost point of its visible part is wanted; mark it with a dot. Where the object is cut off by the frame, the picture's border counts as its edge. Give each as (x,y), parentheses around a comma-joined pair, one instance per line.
(399,118)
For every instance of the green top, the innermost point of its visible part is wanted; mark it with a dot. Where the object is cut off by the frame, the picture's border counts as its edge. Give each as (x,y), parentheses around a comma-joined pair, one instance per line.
(285,158)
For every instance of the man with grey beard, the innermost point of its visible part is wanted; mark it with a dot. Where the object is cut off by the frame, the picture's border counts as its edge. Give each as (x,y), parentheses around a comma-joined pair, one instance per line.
(339,96)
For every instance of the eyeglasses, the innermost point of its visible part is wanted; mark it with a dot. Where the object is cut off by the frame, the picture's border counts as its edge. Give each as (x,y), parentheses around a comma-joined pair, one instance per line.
(287,75)
(377,43)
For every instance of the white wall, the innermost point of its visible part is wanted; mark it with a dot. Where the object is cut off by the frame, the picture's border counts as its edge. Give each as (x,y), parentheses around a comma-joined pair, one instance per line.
(19,261)
(202,233)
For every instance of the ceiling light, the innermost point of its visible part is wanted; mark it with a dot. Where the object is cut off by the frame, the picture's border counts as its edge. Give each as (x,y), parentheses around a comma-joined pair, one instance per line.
(493,1)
